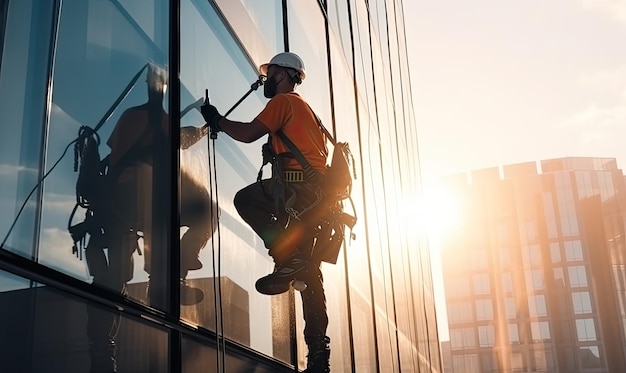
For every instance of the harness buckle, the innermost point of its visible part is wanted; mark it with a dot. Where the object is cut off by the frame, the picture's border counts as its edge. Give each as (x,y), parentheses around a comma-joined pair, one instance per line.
(294,176)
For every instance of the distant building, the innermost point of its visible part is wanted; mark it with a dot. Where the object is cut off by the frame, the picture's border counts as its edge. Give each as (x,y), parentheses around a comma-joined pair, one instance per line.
(446,357)
(535,273)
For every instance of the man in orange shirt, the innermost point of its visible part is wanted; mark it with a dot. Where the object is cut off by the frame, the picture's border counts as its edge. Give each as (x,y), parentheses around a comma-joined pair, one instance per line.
(263,204)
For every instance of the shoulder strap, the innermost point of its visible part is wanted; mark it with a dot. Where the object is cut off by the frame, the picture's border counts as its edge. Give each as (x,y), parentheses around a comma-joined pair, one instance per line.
(309,171)
(319,123)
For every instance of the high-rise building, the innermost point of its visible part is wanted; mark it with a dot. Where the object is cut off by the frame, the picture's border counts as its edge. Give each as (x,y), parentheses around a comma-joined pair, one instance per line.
(65,64)
(534,275)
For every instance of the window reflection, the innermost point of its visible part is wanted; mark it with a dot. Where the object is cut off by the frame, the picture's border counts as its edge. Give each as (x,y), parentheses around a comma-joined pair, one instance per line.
(484,309)
(486,336)
(540,331)
(23,83)
(590,357)
(577,276)
(581,302)
(586,330)
(481,283)
(513,334)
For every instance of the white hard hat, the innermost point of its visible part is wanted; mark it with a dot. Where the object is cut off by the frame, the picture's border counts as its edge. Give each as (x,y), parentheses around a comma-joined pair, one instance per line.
(285,59)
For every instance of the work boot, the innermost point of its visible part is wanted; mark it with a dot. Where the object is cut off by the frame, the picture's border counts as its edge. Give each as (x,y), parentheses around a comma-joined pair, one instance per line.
(190,263)
(279,281)
(319,354)
(190,295)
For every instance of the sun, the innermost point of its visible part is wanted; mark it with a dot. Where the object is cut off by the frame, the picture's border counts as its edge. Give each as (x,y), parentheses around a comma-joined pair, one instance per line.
(437,211)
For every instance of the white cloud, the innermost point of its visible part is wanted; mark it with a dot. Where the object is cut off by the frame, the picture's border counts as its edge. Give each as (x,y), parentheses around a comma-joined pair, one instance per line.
(594,116)
(614,8)
(55,250)
(10,169)
(59,202)
(614,77)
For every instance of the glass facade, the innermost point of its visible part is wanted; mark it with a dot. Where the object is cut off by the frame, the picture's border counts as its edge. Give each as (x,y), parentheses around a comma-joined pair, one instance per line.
(136,72)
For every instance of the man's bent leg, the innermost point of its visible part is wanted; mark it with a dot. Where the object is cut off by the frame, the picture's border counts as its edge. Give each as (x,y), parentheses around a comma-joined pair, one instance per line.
(255,204)
(199,214)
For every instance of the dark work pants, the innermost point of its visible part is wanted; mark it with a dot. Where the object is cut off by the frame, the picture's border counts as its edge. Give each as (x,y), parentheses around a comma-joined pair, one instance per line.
(255,204)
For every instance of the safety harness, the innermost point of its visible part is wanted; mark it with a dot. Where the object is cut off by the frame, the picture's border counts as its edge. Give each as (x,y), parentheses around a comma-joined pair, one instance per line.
(325,214)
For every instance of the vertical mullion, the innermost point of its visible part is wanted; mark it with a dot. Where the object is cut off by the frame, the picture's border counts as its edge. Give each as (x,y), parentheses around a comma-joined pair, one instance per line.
(175,358)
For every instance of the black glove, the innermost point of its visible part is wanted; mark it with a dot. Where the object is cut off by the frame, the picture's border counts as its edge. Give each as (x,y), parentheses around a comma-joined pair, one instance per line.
(211,116)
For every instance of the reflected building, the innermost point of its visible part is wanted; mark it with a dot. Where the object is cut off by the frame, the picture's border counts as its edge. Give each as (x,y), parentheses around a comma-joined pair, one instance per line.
(534,276)
(65,64)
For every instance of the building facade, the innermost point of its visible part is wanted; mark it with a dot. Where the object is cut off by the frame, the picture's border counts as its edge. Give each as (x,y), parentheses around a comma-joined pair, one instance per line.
(65,64)
(534,277)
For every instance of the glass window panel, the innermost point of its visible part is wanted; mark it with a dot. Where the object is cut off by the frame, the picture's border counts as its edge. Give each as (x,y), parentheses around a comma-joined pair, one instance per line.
(531,256)
(517,361)
(537,305)
(347,130)
(540,331)
(268,19)
(458,287)
(337,16)
(555,252)
(559,277)
(540,360)
(484,309)
(486,336)
(59,333)
(586,330)
(565,203)
(605,182)
(459,312)
(23,103)
(257,25)
(488,363)
(212,59)
(510,308)
(462,338)
(550,215)
(513,333)
(481,283)
(573,251)
(534,279)
(466,363)
(577,276)
(97,61)
(306,25)
(581,303)
(507,282)
(583,184)
(590,357)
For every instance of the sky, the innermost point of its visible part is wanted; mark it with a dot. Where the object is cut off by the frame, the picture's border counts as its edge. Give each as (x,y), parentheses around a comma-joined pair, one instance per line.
(504,82)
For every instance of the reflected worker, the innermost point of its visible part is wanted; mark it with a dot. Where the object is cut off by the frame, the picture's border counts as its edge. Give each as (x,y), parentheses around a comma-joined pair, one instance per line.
(138,137)
(140,132)
(263,204)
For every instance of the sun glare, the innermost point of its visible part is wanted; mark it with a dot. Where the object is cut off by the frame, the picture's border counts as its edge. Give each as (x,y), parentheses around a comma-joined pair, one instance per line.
(437,211)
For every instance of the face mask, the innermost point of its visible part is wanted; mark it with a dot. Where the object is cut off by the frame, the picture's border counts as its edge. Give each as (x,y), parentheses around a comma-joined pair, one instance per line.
(269,88)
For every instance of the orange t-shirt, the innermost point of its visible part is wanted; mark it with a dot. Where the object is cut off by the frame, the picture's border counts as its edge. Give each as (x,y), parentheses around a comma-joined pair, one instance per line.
(131,130)
(289,112)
